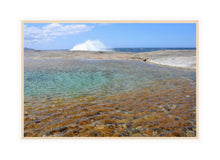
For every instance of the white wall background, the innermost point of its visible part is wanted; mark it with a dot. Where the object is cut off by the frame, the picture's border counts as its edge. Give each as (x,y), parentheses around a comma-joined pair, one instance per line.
(13,147)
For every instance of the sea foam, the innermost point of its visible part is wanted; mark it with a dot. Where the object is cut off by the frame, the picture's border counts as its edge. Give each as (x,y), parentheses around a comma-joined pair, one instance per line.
(90,45)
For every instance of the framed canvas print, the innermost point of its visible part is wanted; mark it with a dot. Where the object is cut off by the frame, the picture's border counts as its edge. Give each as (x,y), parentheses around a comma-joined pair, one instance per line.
(133,79)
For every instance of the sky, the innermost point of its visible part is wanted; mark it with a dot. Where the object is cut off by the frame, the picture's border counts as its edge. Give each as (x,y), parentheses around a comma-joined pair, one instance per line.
(47,36)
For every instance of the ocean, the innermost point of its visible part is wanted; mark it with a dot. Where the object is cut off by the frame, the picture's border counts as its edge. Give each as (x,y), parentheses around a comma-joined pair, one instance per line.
(137,50)
(133,50)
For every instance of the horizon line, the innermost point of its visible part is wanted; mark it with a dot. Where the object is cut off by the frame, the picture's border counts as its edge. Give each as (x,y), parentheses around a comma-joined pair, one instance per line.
(118,48)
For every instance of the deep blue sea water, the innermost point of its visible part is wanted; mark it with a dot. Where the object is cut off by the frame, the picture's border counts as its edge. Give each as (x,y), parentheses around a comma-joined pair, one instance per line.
(136,50)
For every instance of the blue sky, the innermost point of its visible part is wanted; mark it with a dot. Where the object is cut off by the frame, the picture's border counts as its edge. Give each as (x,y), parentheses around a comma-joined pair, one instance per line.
(112,35)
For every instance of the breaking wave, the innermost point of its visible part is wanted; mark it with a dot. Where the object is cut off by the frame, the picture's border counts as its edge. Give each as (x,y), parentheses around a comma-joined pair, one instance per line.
(90,45)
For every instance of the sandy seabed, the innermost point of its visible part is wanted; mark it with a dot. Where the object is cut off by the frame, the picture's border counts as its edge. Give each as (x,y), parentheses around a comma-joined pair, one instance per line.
(166,109)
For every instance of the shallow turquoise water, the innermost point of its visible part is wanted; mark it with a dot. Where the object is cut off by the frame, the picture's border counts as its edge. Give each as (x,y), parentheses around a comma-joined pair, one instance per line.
(76,78)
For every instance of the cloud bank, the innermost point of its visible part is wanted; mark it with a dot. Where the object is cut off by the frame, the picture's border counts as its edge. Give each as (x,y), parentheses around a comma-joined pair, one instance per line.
(33,35)
(90,45)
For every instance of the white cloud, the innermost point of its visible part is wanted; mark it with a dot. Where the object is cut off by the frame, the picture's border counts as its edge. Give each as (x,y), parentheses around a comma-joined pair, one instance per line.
(89,45)
(49,32)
